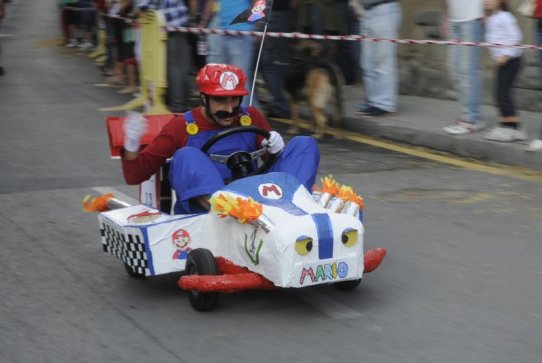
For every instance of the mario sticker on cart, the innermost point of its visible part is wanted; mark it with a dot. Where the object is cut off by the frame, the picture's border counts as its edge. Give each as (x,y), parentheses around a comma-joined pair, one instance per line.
(181,240)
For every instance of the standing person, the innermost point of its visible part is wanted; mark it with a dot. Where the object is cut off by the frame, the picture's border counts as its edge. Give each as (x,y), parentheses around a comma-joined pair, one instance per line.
(237,50)
(380,19)
(127,54)
(87,23)
(115,39)
(463,22)
(331,17)
(2,16)
(71,18)
(536,144)
(198,41)
(348,53)
(179,55)
(538,30)
(275,54)
(502,28)
(110,8)
(193,175)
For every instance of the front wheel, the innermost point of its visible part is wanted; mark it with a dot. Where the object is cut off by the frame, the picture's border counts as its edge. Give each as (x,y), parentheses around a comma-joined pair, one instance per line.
(347,285)
(202,262)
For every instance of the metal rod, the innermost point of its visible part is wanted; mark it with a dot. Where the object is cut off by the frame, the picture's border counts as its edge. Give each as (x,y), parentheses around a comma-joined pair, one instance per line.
(257,65)
(260,53)
(114,203)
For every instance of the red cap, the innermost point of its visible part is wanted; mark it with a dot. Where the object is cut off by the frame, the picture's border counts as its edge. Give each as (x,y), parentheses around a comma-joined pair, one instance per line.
(221,80)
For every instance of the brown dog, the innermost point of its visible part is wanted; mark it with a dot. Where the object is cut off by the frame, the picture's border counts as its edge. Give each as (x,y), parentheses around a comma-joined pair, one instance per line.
(317,83)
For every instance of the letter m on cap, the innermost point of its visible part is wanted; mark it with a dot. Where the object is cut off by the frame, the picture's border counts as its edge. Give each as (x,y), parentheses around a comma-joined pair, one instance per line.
(269,189)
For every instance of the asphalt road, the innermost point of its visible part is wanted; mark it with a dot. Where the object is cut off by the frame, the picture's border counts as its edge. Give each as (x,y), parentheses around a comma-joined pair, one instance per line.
(462,281)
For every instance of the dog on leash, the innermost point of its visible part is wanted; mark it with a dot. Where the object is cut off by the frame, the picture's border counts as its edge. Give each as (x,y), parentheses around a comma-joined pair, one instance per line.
(316,82)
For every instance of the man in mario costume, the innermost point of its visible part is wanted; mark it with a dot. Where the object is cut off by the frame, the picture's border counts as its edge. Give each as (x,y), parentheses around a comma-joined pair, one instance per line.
(193,175)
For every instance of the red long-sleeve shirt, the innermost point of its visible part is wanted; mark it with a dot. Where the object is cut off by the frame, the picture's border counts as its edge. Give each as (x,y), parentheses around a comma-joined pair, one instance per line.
(172,137)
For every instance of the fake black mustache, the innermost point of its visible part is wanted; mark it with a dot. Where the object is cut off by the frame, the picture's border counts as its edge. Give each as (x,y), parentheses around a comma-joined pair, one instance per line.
(224,114)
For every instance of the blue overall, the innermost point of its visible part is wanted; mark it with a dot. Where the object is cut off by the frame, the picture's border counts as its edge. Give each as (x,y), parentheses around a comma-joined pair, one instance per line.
(192,173)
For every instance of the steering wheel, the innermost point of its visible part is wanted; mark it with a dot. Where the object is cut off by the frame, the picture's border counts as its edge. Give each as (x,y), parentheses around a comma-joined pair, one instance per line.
(240,162)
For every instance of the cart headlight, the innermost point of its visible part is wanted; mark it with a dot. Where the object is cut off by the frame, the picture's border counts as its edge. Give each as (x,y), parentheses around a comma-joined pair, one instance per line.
(303,245)
(349,237)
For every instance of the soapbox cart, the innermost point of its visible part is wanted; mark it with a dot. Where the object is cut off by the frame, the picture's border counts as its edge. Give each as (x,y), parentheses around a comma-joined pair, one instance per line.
(263,231)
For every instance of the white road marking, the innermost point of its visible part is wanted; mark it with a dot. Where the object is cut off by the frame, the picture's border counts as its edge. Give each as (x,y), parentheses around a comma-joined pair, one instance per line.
(117,193)
(327,305)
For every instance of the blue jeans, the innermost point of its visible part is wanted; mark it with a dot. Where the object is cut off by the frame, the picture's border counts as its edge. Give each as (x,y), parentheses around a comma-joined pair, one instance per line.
(379,59)
(464,63)
(237,50)
(274,63)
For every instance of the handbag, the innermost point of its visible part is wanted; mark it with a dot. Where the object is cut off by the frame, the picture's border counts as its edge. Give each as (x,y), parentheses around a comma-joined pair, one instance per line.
(526,8)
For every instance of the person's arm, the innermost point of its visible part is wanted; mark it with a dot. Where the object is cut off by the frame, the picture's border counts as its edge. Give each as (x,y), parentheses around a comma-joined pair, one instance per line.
(138,166)
(258,120)
(149,161)
(512,31)
(207,14)
(193,12)
(356,8)
(275,143)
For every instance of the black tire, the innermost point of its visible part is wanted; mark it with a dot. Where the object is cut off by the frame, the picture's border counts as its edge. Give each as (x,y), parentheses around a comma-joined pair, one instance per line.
(132,273)
(347,285)
(202,262)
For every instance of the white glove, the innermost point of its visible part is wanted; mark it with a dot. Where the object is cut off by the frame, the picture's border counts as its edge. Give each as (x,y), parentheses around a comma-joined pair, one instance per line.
(275,144)
(135,126)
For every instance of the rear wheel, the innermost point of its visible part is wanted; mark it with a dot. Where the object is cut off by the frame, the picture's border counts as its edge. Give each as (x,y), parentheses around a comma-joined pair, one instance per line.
(347,285)
(202,262)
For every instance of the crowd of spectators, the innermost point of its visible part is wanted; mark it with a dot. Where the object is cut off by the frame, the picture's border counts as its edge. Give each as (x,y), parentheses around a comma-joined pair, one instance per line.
(373,64)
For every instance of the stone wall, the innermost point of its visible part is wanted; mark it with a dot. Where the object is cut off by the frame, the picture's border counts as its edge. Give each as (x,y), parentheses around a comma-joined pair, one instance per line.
(423,68)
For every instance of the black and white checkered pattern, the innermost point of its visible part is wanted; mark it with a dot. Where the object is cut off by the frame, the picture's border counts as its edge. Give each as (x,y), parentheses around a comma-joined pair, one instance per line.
(175,11)
(130,248)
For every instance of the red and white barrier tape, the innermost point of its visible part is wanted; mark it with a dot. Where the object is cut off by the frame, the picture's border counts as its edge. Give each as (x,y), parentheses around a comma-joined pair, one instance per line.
(354,38)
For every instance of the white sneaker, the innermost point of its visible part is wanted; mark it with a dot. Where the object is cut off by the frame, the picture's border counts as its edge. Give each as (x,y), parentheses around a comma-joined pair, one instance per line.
(462,127)
(72,43)
(86,46)
(535,145)
(505,134)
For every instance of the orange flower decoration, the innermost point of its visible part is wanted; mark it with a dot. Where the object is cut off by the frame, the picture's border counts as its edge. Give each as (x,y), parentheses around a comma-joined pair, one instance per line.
(244,210)
(358,200)
(346,193)
(96,204)
(329,185)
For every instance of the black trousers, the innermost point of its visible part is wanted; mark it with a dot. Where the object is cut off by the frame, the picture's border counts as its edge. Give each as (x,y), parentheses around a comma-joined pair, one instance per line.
(506,76)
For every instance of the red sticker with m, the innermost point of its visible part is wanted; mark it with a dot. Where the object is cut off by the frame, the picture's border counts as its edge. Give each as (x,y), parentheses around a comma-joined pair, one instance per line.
(270,191)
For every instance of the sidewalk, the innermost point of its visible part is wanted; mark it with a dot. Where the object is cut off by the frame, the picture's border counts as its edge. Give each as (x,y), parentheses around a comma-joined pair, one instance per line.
(419,121)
